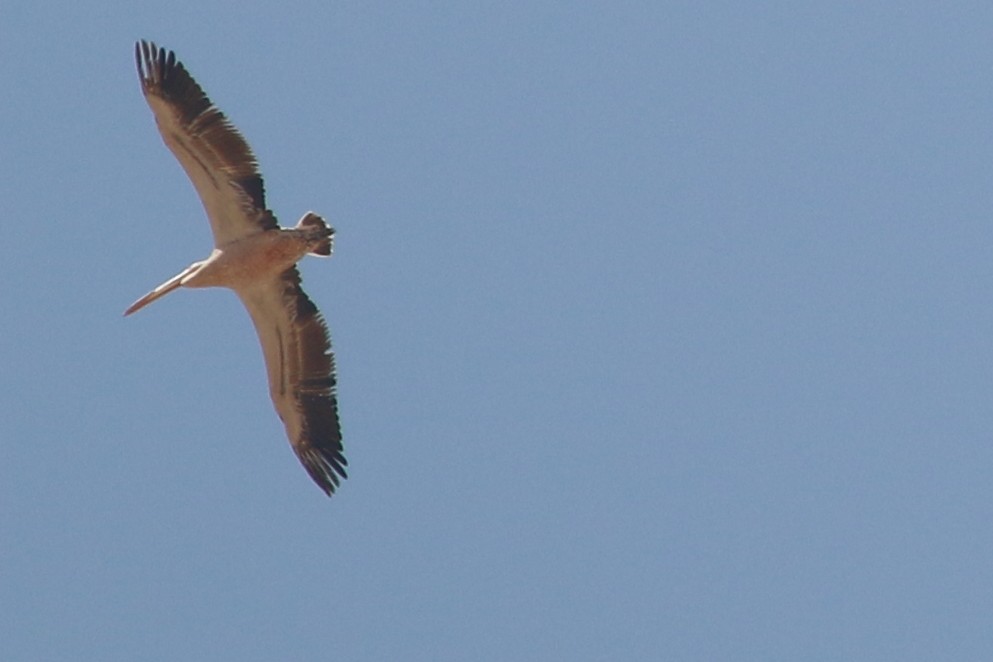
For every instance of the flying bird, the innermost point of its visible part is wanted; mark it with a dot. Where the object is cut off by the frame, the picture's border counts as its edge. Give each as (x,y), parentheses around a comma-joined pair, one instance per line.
(253,256)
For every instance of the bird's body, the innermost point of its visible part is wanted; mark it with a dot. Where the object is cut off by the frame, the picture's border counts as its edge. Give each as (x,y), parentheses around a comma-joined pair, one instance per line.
(254,257)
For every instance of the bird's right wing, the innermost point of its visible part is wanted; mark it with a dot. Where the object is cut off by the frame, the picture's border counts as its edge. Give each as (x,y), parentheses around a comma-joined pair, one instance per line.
(300,364)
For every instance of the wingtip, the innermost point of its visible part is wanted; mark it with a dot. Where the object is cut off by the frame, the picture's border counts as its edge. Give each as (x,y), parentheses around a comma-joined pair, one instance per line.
(144,54)
(144,47)
(153,62)
(326,470)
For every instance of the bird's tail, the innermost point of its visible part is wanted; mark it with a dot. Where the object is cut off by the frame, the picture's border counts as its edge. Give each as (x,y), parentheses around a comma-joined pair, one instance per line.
(320,235)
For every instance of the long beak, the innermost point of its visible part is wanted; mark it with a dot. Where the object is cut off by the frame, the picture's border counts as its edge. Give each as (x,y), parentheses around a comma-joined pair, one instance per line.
(159,292)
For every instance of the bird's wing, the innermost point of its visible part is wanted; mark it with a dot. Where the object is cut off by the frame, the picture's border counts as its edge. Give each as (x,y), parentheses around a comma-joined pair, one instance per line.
(298,357)
(216,158)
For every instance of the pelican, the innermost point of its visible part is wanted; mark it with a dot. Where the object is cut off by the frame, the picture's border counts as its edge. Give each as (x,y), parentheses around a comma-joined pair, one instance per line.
(253,256)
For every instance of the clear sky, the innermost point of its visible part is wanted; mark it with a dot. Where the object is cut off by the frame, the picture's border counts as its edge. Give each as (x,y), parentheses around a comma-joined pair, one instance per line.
(664,332)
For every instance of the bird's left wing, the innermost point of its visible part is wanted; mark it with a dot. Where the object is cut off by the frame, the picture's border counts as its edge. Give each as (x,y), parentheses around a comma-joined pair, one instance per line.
(214,155)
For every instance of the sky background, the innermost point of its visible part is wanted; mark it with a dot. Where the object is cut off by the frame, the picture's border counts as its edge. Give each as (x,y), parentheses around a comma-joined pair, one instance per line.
(664,332)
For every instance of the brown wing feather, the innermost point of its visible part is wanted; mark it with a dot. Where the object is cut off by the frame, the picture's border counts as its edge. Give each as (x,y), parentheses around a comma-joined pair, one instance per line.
(302,382)
(213,153)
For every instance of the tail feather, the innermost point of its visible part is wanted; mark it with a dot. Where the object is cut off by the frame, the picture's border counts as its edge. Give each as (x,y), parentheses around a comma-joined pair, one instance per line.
(322,242)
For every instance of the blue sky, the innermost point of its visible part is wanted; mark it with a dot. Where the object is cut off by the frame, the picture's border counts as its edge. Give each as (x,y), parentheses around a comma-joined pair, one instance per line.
(664,331)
